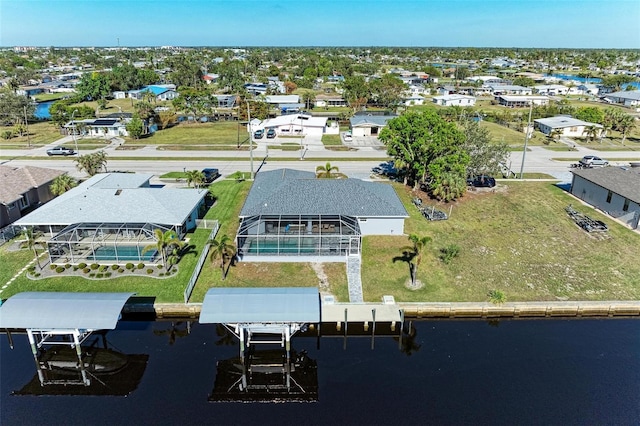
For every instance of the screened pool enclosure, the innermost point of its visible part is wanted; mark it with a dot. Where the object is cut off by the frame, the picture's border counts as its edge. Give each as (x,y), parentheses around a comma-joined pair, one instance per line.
(105,242)
(303,235)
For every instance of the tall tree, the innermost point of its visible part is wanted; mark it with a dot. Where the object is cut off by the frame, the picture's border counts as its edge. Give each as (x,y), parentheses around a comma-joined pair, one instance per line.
(31,242)
(356,92)
(92,163)
(135,127)
(485,156)
(62,184)
(625,124)
(590,114)
(165,241)
(414,252)
(222,248)
(195,177)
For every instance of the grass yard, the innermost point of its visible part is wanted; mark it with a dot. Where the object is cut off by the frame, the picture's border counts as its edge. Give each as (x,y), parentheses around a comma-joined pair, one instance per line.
(512,137)
(41,133)
(518,240)
(331,140)
(220,133)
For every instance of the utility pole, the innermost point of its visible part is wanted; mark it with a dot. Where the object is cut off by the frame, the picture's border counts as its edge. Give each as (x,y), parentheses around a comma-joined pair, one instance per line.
(73,132)
(528,133)
(26,123)
(250,139)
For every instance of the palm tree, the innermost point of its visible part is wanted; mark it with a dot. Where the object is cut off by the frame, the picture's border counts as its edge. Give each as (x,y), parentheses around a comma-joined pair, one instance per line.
(555,134)
(626,123)
(449,187)
(223,249)
(326,170)
(62,184)
(31,242)
(415,249)
(164,242)
(92,163)
(591,133)
(196,177)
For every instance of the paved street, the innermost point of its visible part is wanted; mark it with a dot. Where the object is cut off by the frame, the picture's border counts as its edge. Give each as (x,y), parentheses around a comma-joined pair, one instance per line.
(356,163)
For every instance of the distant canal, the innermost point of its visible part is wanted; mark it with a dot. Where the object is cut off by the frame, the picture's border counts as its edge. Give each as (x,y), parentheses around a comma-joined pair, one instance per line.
(42,110)
(551,372)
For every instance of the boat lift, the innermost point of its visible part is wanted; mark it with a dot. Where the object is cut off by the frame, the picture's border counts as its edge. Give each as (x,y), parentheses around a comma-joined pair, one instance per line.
(51,318)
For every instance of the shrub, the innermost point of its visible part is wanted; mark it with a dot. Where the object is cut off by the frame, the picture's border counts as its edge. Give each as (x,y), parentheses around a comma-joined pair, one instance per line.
(82,265)
(103,268)
(161,274)
(99,275)
(107,274)
(86,270)
(37,274)
(60,269)
(448,253)
(92,275)
(497,297)
(32,268)
(114,267)
(52,267)
(120,270)
(129,266)
(140,265)
(67,266)
(75,267)
(159,266)
(149,271)
(94,266)
(7,134)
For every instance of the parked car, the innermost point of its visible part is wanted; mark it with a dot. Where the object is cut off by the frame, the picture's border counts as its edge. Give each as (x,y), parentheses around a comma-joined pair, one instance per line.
(348,137)
(593,161)
(481,181)
(271,133)
(210,174)
(60,150)
(258,134)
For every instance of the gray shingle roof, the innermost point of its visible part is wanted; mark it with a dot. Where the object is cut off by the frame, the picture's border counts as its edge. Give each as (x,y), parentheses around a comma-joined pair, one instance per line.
(369,120)
(15,181)
(292,192)
(623,181)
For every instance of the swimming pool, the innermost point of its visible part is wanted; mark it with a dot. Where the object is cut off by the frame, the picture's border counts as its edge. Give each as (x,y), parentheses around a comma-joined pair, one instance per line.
(122,253)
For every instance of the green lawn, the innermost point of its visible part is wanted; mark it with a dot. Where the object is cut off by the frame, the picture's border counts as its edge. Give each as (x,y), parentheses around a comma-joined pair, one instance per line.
(221,133)
(516,239)
(39,134)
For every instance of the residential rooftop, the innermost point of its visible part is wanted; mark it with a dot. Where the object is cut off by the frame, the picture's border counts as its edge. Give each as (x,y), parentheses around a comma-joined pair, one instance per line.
(624,181)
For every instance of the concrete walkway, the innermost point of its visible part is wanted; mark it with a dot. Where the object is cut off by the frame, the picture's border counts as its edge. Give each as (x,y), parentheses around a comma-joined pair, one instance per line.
(354,279)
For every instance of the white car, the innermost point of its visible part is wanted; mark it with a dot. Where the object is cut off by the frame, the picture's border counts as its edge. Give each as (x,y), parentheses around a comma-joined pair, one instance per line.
(592,161)
(348,137)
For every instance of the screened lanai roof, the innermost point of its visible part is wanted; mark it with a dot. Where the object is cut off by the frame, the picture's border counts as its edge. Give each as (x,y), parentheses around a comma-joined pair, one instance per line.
(261,305)
(292,192)
(51,311)
(119,232)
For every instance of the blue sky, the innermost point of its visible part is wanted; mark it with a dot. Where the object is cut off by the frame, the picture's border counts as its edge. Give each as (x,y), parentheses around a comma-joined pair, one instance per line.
(449,23)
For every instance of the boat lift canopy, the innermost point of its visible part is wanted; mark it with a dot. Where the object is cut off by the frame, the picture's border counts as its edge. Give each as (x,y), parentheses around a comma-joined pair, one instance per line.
(265,311)
(51,318)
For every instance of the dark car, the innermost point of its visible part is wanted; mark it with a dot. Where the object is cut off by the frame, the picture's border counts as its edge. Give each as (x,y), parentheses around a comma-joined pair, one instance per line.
(271,133)
(258,134)
(481,181)
(60,150)
(210,174)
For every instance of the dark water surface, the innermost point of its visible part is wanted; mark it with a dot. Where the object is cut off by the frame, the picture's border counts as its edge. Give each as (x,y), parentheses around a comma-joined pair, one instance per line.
(563,372)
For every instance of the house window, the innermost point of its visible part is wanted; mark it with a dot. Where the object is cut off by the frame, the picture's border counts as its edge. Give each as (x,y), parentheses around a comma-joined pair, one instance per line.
(625,208)
(609,195)
(24,201)
(573,129)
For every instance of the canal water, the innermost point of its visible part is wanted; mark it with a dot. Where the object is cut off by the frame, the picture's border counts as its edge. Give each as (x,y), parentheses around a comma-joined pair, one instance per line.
(42,110)
(552,372)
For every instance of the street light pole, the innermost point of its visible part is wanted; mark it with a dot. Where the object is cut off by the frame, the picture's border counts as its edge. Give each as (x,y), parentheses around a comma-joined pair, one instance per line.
(73,132)
(301,139)
(528,132)
(250,139)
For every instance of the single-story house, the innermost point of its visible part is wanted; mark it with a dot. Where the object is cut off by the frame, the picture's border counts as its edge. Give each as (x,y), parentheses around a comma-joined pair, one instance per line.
(164,92)
(588,89)
(413,100)
(508,89)
(292,215)
(284,102)
(446,90)
(627,98)
(514,101)
(487,79)
(550,89)
(450,100)
(568,126)
(117,198)
(615,190)
(330,101)
(295,124)
(210,78)
(368,125)
(23,189)
(101,127)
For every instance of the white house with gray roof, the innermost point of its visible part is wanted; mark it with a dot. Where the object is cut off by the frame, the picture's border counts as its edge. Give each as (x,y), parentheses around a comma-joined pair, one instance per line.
(109,198)
(292,215)
(629,98)
(614,190)
(565,125)
(368,125)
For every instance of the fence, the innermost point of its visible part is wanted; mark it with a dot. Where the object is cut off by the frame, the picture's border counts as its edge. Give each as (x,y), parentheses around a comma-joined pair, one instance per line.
(201,260)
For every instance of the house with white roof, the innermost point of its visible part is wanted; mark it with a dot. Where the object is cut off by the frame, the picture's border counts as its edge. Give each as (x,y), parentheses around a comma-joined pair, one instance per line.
(291,215)
(550,89)
(451,100)
(509,89)
(515,101)
(295,124)
(567,126)
(368,125)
